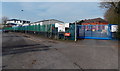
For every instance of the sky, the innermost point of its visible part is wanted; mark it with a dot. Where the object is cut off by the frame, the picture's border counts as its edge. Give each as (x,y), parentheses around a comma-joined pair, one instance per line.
(63,11)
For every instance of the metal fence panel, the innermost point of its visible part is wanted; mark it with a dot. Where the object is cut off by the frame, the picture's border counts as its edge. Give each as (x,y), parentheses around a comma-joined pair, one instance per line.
(94,31)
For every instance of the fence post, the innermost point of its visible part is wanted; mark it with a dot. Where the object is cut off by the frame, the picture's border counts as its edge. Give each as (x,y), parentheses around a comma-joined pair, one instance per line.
(46,30)
(51,30)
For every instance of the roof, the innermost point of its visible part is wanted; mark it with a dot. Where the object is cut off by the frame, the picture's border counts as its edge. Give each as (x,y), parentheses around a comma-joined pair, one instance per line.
(11,24)
(15,20)
(94,20)
(50,20)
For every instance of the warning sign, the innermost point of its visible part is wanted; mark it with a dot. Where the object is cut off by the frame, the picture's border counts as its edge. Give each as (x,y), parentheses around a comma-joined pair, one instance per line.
(114,28)
(67,34)
(61,26)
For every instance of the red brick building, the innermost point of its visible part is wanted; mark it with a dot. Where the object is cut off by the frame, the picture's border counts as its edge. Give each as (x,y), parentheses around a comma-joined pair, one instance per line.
(96,21)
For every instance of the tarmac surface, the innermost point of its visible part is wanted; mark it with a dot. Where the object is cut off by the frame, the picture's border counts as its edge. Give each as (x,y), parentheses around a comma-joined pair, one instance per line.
(23,51)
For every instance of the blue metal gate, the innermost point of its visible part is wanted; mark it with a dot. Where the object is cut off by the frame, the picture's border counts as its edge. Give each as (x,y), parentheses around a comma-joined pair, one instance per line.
(94,31)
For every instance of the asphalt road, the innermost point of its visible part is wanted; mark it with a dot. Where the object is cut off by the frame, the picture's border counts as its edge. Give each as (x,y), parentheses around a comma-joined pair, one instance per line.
(20,51)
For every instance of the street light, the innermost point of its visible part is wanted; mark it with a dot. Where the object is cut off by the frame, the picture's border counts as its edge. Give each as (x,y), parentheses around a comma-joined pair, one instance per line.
(76,30)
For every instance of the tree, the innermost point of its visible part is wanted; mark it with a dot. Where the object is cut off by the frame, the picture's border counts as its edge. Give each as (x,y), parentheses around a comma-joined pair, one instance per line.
(4,20)
(113,11)
(112,14)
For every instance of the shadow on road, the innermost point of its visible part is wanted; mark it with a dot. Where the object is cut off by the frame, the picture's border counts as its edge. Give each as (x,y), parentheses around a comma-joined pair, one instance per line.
(8,50)
(16,36)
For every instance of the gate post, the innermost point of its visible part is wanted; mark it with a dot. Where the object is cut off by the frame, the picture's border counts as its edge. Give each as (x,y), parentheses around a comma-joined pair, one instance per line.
(109,31)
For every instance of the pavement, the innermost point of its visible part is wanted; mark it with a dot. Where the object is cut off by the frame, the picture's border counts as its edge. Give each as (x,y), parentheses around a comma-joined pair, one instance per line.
(24,51)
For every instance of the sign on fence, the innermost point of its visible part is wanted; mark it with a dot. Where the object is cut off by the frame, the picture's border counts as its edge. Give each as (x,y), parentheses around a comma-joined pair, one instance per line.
(114,28)
(61,26)
(67,34)
(66,25)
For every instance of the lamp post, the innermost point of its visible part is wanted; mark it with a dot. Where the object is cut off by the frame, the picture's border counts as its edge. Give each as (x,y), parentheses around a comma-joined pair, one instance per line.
(75,30)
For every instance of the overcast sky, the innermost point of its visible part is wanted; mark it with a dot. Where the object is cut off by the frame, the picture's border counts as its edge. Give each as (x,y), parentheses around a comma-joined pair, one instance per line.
(64,11)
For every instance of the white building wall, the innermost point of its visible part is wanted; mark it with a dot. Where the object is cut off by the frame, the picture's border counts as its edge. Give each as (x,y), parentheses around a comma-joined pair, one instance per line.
(41,23)
(10,22)
(16,22)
